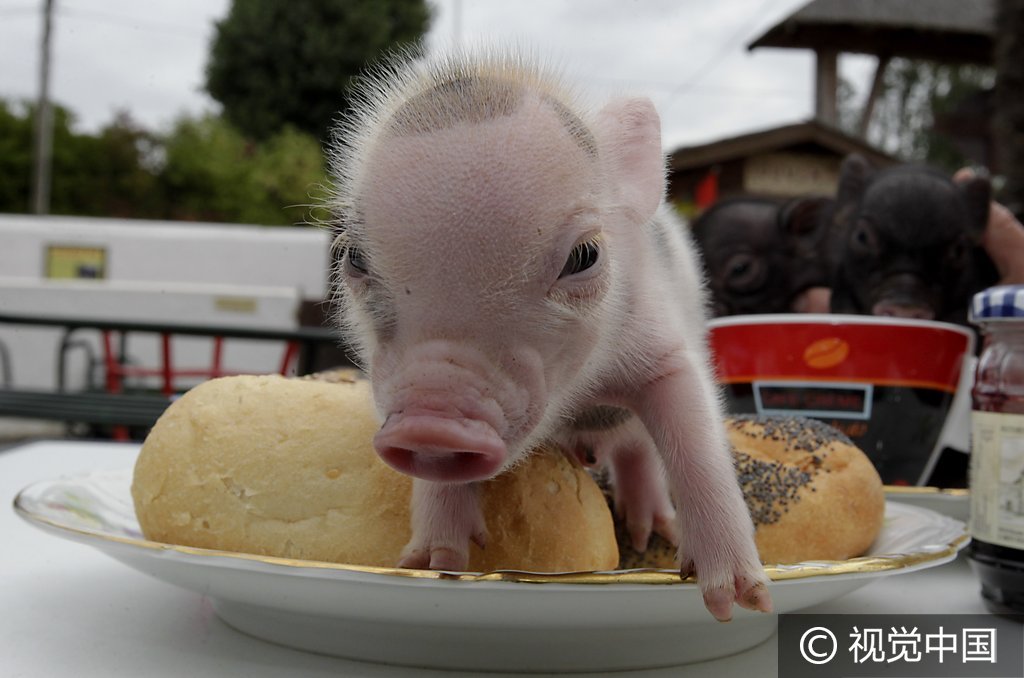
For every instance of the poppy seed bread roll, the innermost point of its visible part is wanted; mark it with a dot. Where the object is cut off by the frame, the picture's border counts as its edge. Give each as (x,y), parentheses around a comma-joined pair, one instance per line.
(286,467)
(812,493)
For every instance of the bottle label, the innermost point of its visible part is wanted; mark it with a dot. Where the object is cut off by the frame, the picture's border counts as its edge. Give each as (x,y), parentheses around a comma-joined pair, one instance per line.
(997,478)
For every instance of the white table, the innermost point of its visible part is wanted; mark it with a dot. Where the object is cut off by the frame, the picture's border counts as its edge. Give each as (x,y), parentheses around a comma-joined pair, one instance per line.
(69,610)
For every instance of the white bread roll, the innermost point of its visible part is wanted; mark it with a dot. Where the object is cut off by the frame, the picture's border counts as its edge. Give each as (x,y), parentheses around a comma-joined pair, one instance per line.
(286,467)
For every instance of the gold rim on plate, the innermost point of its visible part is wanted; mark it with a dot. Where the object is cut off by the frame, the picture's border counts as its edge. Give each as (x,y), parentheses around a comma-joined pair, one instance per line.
(925,491)
(788,572)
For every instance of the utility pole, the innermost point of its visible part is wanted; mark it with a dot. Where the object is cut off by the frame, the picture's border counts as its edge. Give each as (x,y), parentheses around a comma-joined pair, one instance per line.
(42,160)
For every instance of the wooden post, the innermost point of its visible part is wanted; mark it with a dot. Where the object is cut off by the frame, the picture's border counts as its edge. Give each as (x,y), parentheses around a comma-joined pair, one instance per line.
(826,86)
(877,87)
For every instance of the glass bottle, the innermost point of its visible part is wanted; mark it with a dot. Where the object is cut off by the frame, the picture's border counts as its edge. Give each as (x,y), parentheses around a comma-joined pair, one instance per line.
(997,450)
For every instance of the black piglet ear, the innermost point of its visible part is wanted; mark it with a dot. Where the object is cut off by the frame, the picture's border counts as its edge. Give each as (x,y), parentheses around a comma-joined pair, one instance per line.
(854,173)
(803,216)
(977,192)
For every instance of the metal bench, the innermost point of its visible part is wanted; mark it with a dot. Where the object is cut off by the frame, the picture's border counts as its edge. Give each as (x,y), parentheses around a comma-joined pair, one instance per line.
(121,405)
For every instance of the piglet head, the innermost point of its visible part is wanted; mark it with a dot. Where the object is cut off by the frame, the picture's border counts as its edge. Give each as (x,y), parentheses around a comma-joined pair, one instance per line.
(485,230)
(911,241)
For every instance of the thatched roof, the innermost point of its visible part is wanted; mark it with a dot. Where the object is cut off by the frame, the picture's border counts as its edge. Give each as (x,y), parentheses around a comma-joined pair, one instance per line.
(938,30)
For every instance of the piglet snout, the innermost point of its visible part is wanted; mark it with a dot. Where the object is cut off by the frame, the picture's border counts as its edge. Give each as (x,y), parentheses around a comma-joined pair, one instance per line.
(440,448)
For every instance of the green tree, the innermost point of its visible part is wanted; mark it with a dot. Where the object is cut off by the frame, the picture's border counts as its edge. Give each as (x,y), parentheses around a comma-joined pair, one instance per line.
(113,173)
(915,93)
(93,175)
(15,156)
(202,170)
(289,172)
(212,173)
(73,188)
(278,62)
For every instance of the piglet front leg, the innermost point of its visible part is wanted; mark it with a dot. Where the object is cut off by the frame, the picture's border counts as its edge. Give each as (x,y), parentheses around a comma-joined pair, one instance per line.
(640,495)
(641,499)
(445,517)
(680,409)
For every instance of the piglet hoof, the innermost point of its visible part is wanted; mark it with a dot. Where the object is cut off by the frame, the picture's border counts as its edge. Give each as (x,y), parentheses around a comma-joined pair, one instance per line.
(439,558)
(645,512)
(642,525)
(747,592)
(753,595)
(668,527)
(445,518)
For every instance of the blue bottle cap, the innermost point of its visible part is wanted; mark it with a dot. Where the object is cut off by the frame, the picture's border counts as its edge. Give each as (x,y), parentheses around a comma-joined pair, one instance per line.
(1000,302)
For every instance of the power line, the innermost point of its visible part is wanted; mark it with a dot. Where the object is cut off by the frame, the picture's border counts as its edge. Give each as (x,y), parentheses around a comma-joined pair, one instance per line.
(701,90)
(97,16)
(23,10)
(727,47)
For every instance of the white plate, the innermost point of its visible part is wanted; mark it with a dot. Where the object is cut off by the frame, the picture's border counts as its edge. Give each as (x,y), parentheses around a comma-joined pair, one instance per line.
(955,503)
(495,621)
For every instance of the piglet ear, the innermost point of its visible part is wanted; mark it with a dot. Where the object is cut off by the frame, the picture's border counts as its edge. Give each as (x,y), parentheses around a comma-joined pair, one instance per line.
(854,173)
(804,216)
(629,139)
(977,192)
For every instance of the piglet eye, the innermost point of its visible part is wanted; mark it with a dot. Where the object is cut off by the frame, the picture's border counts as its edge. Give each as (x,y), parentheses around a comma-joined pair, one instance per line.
(582,257)
(863,239)
(355,259)
(744,272)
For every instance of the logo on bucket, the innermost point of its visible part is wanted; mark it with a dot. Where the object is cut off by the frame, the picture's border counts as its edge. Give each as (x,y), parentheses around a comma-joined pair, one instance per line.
(825,353)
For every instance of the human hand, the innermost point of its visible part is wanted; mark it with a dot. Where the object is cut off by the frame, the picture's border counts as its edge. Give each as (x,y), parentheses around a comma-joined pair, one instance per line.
(1003,238)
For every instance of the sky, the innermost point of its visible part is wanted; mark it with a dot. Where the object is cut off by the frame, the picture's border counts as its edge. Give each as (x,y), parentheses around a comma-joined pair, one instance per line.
(689,56)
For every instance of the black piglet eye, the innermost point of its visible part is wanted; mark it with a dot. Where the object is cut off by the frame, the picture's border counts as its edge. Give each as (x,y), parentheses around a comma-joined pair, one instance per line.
(582,257)
(863,239)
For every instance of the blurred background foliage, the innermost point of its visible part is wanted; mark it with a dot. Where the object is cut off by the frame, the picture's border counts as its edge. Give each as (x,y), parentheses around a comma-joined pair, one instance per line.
(922,103)
(203,169)
(279,70)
